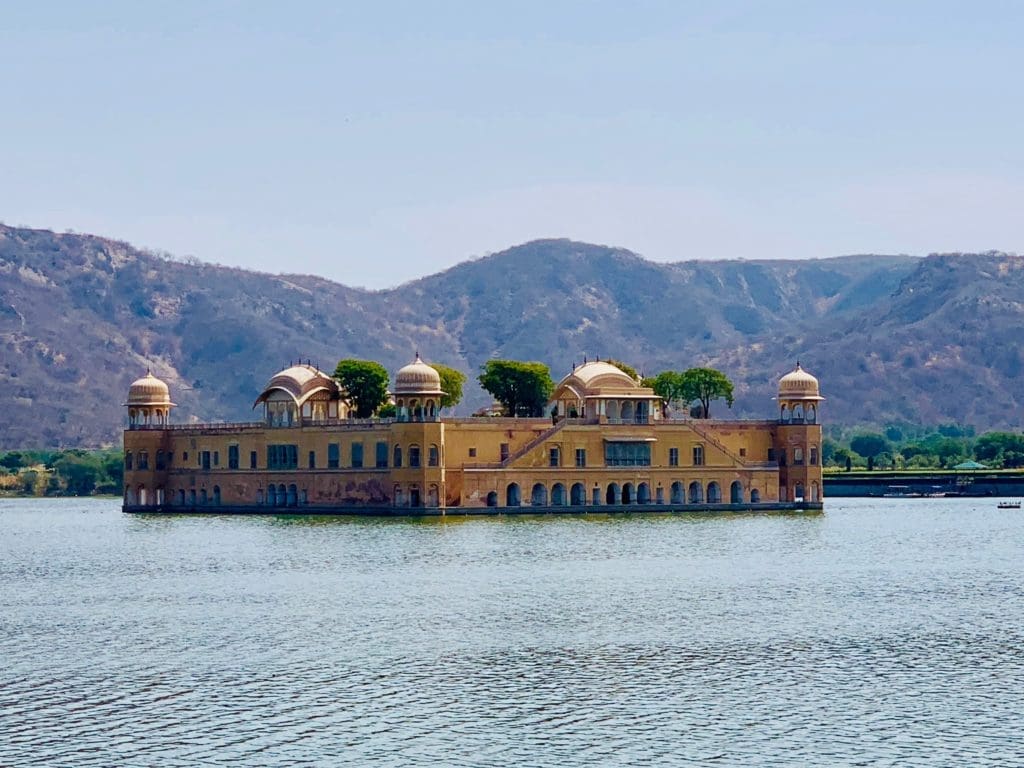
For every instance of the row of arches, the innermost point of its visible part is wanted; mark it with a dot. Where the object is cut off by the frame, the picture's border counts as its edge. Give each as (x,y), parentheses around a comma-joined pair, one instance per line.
(141,496)
(628,493)
(800,492)
(798,414)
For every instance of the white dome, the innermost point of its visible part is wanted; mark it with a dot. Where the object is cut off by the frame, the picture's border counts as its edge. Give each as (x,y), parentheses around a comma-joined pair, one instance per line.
(417,378)
(149,390)
(798,384)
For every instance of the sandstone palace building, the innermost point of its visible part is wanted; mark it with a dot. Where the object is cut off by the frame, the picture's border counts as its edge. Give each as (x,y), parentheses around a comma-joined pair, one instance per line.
(608,447)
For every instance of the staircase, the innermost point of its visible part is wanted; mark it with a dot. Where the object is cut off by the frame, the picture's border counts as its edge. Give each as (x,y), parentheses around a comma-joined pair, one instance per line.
(694,425)
(541,438)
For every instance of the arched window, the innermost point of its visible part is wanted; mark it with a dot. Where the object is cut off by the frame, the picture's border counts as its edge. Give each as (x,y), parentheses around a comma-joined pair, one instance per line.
(492,499)
(558,495)
(714,493)
(798,412)
(202,496)
(676,496)
(643,494)
(613,494)
(813,458)
(397,457)
(414,455)
(798,492)
(127,459)
(512,498)
(216,494)
(696,493)
(798,455)
(433,456)
(539,495)
(785,413)
(812,414)
(736,492)
(755,496)
(578,495)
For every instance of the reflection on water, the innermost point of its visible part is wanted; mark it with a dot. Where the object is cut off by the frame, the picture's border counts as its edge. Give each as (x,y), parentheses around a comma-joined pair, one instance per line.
(882,633)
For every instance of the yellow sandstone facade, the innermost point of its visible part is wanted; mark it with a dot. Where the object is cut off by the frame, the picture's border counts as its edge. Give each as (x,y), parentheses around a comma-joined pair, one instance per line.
(610,447)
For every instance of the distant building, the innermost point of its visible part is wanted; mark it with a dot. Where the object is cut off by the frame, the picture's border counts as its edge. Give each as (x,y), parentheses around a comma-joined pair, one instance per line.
(607,447)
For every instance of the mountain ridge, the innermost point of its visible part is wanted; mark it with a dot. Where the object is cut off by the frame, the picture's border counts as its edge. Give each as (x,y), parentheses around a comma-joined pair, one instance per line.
(81,316)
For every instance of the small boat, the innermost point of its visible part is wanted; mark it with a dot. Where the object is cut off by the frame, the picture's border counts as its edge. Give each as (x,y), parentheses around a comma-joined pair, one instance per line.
(1008,505)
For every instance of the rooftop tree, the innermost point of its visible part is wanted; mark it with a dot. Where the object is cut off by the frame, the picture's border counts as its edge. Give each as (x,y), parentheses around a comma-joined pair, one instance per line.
(451,384)
(365,383)
(702,385)
(522,388)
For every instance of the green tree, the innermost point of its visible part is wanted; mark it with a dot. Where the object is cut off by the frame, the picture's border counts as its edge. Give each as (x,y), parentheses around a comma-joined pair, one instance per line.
(668,385)
(14,460)
(702,385)
(451,384)
(869,444)
(522,388)
(365,383)
(78,473)
(626,368)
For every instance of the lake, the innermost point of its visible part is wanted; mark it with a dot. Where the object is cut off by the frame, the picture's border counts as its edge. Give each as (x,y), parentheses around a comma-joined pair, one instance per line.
(884,632)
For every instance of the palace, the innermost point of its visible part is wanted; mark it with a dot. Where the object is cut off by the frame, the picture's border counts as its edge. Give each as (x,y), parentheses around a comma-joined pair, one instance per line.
(610,445)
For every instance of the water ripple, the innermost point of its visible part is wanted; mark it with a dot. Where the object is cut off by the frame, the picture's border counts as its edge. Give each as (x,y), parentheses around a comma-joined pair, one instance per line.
(871,636)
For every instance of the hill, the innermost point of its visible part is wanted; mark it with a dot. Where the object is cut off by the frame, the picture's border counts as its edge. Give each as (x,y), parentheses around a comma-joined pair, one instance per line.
(891,337)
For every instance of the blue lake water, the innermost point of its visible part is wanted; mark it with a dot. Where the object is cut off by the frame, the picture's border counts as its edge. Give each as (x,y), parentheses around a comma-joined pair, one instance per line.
(884,632)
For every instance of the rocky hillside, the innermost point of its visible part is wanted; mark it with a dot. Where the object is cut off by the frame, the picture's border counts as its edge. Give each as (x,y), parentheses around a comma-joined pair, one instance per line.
(891,337)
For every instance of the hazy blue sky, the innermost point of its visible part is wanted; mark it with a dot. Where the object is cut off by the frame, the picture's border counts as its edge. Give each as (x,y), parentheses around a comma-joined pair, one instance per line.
(376,142)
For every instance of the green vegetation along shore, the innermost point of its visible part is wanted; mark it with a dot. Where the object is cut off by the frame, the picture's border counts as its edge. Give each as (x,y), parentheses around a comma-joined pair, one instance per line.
(62,473)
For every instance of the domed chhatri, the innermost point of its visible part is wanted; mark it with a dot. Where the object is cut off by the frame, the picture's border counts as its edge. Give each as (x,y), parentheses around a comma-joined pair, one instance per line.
(799,397)
(417,392)
(799,384)
(149,401)
(301,391)
(417,378)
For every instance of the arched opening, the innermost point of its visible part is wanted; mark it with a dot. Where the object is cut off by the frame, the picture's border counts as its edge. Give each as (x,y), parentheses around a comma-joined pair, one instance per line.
(539,495)
(282,495)
(627,410)
(785,414)
(202,496)
(143,498)
(676,496)
(181,497)
(613,494)
(643,494)
(129,496)
(798,412)
(216,495)
(736,492)
(512,497)
(814,491)
(558,495)
(397,458)
(433,496)
(628,494)
(696,493)
(798,492)
(492,499)
(414,456)
(433,456)
(399,497)
(612,409)
(293,495)
(755,496)
(160,497)
(714,493)
(192,497)
(578,495)
(271,495)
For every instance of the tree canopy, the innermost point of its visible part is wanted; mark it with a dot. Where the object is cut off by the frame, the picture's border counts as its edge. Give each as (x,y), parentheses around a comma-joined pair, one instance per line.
(668,385)
(451,384)
(869,444)
(522,388)
(366,384)
(702,385)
